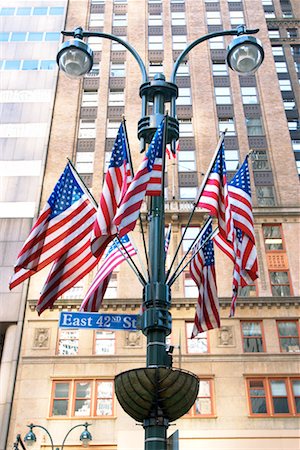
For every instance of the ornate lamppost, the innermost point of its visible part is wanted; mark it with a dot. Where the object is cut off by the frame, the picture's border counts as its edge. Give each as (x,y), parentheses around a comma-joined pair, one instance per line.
(158,394)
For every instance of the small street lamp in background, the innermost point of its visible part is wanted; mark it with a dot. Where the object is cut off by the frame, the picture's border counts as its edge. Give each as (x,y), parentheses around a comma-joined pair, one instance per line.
(30,438)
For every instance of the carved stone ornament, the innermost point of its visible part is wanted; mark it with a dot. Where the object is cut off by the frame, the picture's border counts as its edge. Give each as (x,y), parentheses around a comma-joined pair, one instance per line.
(225,337)
(41,338)
(133,339)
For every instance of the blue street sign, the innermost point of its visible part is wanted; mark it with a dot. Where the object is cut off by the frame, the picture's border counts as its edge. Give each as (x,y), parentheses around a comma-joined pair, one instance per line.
(94,321)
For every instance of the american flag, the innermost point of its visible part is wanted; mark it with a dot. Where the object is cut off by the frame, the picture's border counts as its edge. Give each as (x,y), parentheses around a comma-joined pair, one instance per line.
(169,150)
(242,251)
(214,196)
(64,221)
(116,183)
(67,271)
(114,256)
(202,270)
(147,181)
(168,238)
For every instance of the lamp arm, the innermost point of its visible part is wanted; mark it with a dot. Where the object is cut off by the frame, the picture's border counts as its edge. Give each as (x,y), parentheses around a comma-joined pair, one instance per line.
(241,29)
(71,429)
(32,425)
(79,32)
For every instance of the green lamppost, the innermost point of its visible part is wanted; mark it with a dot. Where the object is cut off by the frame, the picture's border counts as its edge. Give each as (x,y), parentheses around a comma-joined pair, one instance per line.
(30,438)
(158,394)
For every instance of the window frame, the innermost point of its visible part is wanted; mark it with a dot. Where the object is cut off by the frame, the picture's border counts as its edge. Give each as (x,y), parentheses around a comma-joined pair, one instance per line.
(281,283)
(198,337)
(288,380)
(192,412)
(262,336)
(60,330)
(95,340)
(285,337)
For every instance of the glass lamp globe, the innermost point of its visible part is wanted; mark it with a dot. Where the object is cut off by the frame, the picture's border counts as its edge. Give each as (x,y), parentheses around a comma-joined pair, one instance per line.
(245,54)
(75,58)
(30,438)
(85,438)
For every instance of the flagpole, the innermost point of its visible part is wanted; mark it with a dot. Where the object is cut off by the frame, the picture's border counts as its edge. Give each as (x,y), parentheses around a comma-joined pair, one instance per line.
(132,173)
(190,247)
(221,139)
(211,236)
(137,272)
(87,189)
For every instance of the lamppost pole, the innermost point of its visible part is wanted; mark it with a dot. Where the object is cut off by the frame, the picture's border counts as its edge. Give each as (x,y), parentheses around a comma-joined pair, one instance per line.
(158,394)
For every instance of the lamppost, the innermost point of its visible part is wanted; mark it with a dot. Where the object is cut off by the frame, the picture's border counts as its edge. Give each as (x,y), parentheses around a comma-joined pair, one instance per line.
(158,394)
(30,437)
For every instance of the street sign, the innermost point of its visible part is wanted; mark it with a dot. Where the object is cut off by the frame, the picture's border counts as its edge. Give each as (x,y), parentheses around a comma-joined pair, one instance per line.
(173,441)
(95,321)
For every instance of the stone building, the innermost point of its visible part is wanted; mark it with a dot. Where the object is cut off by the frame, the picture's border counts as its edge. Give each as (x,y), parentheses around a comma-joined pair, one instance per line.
(249,368)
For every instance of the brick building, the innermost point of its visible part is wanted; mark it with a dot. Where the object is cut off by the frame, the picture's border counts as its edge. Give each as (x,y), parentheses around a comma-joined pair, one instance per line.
(249,368)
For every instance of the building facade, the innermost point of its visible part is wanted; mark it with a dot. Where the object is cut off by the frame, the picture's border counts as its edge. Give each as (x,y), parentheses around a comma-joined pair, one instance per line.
(249,368)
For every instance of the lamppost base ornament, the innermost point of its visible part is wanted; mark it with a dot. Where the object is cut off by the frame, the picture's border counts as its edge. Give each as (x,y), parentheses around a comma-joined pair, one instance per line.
(156,392)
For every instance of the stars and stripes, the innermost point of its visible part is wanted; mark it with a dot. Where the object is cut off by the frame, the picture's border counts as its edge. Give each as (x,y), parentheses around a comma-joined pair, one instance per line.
(170,151)
(116,183)
(202,270)
(64,221)
(214,196)
(242,251)
(115,255)
(147,181)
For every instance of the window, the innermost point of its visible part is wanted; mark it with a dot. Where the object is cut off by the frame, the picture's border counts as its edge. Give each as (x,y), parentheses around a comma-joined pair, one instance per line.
(95,71)
(4,37)
(289,105)
(260,160)
(82,398)
(183,70)
(292,33)
(185,128)
(32,64)
(68,342)
(277,51)
(252,337)
(236,17)
(87,129)
(23,11)
(40,11)
(7,11)
(60,398)
(155,43)
(52,36)
(203,406)
(105,342)
(293,125)
(247,291)
(12,64)
(280,283)
(232,160)
(48,64)
(189,237)
(116,98)
(254,127)
(227,124)
(281,67)
(219,69)
(187,193)
(155,68)
(120,20)
(249,95)
(186,161)
(198,344)
(15,37)
(223,96)
(155,20)
(56,10)
(269,15)
(33,36)
(96,20)
(273,238)
(178,18)
(85,162)
(213,17)
(285,85)
(217,43)
(179,42)
(265,195)
(89,98)
(112,129)
(184,96)
(95,43)
(288,332)
(117,70)
(274,34)
(117,46)
(190,288)
(272,396)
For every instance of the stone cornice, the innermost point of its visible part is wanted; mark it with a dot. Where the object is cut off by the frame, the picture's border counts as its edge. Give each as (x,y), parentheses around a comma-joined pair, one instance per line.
(123,304)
